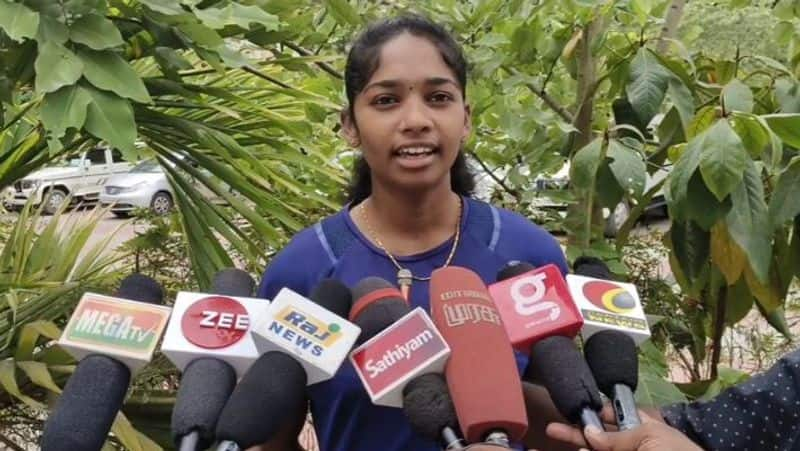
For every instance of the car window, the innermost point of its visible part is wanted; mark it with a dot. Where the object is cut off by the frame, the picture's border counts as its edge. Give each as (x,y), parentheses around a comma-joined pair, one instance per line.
(96,156)
(116,156)
(147,166)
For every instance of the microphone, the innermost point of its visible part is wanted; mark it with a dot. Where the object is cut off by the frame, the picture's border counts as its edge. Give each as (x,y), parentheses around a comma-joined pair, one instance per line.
(534,304)
(562,369)
(308,340)
(112,337)
(615,365)
(429,408)
(208,380)
(386,305)
(314,332)
(482,372)
(604,303)
(402,344)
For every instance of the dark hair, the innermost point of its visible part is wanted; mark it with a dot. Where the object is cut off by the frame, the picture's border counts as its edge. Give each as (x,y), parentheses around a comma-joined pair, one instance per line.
(362,62)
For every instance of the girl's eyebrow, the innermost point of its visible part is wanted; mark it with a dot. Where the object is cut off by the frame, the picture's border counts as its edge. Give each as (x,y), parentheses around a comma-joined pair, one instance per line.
(393,83)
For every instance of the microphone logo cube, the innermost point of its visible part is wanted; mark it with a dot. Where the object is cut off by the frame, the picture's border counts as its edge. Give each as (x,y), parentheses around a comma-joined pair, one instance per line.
(607,304)
(128,330)
(211,325)
(535,305)
(388,361)
(318,338)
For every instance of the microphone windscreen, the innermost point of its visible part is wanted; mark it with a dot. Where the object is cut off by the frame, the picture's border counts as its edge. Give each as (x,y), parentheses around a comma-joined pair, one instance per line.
(88,405)
(233,282)
(334,296)
(482,371)
(368,285)
(272,390)
(206,384)
(557,363)
(428,406)
(377,304)
(591,267)
(612,357)
(141,288)
(514,269)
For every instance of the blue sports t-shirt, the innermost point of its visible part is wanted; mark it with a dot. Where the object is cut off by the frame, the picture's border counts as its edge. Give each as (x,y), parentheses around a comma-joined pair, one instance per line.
(344,417)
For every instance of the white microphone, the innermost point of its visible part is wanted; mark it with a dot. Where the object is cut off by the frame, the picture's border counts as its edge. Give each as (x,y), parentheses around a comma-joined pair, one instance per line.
(314,333)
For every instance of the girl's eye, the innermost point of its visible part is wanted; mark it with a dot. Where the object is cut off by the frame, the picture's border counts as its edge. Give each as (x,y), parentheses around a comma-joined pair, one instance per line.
(384,100)
(441,97)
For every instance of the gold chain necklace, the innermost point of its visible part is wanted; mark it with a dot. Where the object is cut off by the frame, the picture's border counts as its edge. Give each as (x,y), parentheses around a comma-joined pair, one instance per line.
(404,275)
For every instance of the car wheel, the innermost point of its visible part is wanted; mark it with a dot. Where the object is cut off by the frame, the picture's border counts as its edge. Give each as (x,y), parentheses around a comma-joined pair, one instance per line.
(161,203)
(617,218)
(53,200)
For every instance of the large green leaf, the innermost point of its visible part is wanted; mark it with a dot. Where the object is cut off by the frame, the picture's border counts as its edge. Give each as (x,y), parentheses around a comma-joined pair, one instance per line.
(17,20)
(585,163)
(110,117)
(737,96)
(726,254)
(647,85)
(723,159)
(786,126)
(169,8)
(787,93)
(107,70)
(681,174)
(754,136)
(343,12)
(236,14)
(628,167)
(691,247)
(748,222)
(96,32)
(702,206)
(52,56)
(64,109)
(682,99)
(51,30)
(785,201)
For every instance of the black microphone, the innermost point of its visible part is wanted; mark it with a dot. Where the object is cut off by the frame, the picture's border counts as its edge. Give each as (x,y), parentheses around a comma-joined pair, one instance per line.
(94,393)
(562,369)
(612,357)
(377,304)
(430,410)
(207,382)
(274,388)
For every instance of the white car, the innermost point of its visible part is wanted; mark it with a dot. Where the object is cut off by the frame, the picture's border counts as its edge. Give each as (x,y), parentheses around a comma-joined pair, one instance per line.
(145,186)
(82,177)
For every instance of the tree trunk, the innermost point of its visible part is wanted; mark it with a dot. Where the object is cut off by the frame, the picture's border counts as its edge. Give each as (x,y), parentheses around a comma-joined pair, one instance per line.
(670,28)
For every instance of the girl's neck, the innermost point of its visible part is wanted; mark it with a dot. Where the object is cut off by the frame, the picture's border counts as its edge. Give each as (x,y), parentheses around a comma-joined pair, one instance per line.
(419,215)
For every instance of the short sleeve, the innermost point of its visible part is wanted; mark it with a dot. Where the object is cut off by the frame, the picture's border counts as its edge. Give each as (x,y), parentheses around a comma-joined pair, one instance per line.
(521,239)
(298,266)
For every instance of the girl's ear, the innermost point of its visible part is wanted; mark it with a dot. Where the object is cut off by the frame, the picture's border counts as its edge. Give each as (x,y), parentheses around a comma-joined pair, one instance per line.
(349,128)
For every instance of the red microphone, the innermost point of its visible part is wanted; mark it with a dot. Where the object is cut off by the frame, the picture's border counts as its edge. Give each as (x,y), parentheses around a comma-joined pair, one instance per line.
(534,304)
(482,372)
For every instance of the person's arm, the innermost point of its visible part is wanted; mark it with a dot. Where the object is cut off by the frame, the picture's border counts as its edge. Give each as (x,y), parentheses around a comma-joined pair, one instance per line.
(287,436)
(541,412)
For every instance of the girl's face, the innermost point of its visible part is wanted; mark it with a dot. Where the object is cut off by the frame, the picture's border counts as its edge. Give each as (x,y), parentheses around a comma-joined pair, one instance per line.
(410,118)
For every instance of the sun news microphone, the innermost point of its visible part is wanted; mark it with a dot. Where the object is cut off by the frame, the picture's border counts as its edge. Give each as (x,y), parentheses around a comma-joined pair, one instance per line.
(557,363)
(112,337)
(482,372)
(429,408)
(615,365)
(304,342)
(605,303)
(534,304)
(208,380)
(401,344)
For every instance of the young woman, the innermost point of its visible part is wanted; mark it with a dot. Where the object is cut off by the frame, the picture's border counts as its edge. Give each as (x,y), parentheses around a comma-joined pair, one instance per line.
(409,208)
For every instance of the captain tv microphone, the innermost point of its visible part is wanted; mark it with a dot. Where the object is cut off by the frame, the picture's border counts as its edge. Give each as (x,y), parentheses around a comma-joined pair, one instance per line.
(541,319)
(208,379)
(303,342)
(401,360)
(482,373)
(611,352)
(112,337)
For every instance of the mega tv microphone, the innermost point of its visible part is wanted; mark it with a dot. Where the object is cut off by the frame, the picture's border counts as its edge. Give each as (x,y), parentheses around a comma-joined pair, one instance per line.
(482,372)
(402,344)
(208,380)
(615,365)
(534,304)
(112,337)
(605,303)
(305,341)
(557,363)
(429,408)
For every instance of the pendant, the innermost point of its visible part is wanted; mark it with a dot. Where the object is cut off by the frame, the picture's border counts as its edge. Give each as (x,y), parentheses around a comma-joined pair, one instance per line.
(404,278)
